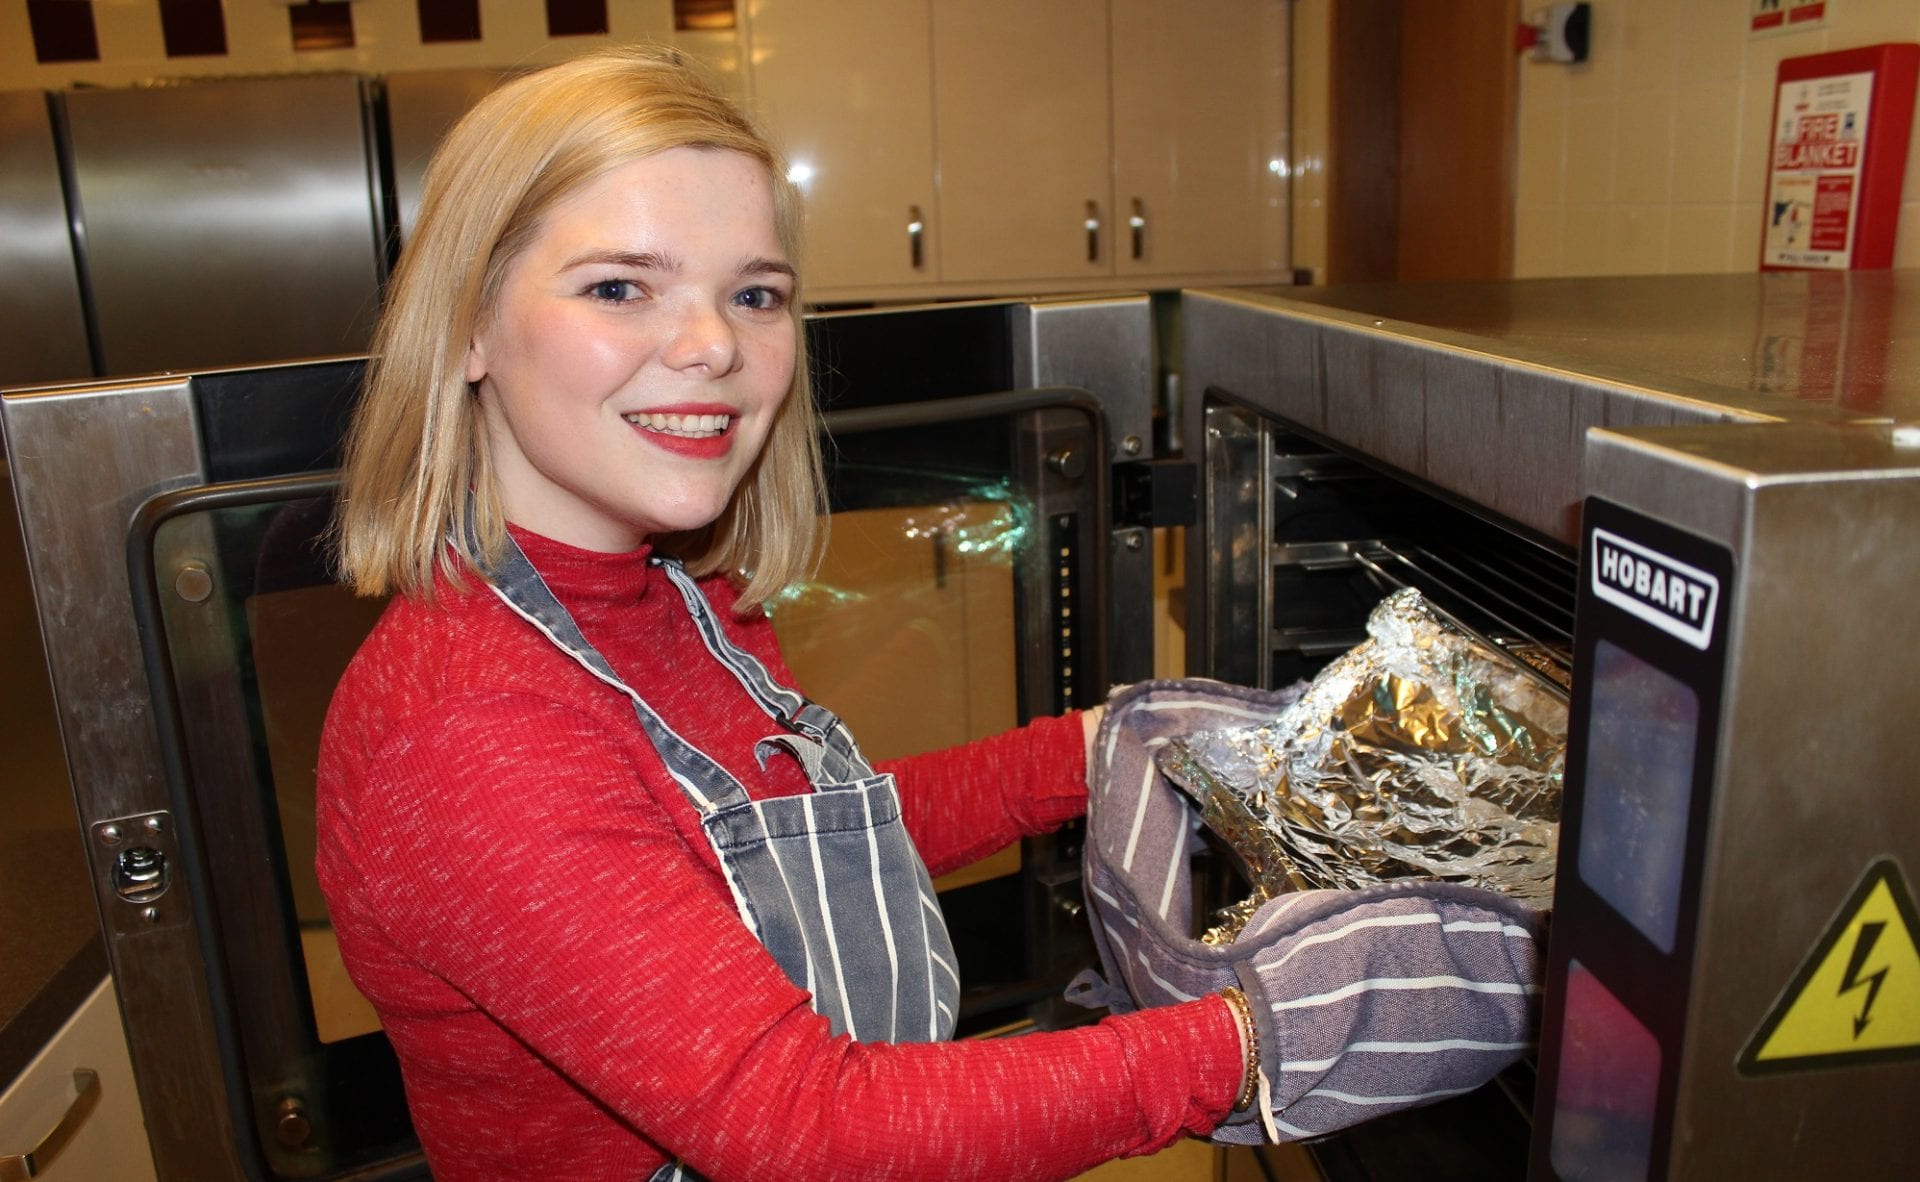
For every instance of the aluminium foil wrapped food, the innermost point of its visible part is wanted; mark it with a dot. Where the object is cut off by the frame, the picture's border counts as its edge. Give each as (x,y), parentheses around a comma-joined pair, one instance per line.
(1420,753)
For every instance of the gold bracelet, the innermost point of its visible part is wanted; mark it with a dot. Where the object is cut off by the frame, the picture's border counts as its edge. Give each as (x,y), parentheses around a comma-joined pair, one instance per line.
(1250,1036)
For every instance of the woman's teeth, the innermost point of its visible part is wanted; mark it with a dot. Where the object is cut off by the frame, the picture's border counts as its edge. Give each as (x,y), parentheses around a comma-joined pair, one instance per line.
(691,426)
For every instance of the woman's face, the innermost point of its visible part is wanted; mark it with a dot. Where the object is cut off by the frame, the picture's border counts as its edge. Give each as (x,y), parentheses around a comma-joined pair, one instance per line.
(639,350)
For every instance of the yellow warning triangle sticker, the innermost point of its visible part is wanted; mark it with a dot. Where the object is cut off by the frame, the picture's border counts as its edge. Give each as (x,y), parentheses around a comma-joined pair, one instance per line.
(1856,998)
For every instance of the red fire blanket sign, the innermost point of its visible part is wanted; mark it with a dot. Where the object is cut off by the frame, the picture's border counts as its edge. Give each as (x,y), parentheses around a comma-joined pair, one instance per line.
(1840,127)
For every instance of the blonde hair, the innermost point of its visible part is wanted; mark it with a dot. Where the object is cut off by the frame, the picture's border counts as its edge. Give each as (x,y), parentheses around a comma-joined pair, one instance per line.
(415,445)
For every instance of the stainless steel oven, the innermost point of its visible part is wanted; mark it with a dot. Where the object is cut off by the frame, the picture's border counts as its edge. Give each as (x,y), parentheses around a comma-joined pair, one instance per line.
(1690,501)
(194,635)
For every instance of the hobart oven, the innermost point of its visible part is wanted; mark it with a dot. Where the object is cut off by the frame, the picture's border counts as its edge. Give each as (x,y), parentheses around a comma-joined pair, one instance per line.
(194,636)
(1689,501)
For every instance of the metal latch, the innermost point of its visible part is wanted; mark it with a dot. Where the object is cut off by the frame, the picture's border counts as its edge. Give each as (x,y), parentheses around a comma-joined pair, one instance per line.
(139,860)
(1154,493)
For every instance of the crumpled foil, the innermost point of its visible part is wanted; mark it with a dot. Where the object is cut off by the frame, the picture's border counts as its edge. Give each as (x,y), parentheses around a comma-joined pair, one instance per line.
(1420,753)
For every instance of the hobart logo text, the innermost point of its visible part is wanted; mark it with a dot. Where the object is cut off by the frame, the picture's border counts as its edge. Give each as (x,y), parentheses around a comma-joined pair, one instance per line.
(1676,598)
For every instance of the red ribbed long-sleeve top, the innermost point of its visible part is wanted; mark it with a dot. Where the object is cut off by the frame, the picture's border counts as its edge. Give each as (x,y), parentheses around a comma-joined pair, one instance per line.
(529,902)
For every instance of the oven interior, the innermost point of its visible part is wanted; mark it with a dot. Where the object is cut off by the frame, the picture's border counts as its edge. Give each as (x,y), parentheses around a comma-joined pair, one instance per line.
(1303,540)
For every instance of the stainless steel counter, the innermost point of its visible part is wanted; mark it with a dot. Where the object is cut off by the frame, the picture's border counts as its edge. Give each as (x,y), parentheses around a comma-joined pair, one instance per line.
(1486,391)
(1849,340)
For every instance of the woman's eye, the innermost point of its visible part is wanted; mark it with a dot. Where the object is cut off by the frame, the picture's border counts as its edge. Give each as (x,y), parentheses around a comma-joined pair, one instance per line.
(766,299)
(614,291)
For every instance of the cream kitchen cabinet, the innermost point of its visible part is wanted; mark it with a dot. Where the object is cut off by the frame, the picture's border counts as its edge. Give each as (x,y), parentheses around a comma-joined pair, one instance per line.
(845,90)
(74,1113)
(1200,145)
(1021,98)
(974,147)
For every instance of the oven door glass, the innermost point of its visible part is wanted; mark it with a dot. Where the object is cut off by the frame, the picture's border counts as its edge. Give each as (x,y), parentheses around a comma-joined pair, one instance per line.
(937,616)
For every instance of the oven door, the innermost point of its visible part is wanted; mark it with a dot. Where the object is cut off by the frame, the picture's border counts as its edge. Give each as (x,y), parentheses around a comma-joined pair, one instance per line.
(971,534)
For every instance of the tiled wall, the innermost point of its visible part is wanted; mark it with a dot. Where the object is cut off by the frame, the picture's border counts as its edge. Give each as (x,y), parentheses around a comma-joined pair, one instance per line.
(386,39)
(1651,157)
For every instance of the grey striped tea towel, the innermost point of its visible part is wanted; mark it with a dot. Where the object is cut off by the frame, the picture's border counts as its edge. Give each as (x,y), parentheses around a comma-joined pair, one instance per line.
(1367,1001)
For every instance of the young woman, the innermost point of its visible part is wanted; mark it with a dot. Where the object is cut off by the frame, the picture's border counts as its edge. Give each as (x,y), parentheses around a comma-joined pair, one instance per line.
(629,907)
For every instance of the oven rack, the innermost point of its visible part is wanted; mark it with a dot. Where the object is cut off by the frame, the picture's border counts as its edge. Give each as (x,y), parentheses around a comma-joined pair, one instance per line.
(1520,604)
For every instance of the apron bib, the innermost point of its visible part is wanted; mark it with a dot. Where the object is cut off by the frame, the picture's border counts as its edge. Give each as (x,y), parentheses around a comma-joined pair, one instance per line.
(829,881)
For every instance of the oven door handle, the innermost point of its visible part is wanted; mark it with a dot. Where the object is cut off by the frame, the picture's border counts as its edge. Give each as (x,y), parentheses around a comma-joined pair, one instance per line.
(1054,465)
(856,420)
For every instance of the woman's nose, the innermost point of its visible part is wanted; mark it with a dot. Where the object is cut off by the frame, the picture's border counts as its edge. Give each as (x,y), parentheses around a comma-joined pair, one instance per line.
(702,336)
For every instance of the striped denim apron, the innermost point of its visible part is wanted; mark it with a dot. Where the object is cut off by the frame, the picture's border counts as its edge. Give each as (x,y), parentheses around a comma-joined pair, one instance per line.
(829,881)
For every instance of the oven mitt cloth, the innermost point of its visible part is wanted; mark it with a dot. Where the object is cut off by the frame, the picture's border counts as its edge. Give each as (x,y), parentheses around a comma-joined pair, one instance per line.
(1366,1001)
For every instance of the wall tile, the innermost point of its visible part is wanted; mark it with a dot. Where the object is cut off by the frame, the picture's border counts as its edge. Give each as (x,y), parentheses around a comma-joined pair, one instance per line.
(1587,248)
(1537,240)
(1906,241)
(1764,54)
(1711,36)
(1639,236)
(513,22)
(381,29)
(630,19)
(1542,82)
(1706,140)
(16,42)
(1643,159)
(1590,147)
(1756,139)
(1649,55)
(131,31)
(1747,220)
(1541,164)
(1872,24)
(1700,240)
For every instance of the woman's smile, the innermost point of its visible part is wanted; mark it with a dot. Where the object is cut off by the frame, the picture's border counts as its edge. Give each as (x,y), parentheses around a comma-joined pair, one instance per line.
(691,426)
(696,433)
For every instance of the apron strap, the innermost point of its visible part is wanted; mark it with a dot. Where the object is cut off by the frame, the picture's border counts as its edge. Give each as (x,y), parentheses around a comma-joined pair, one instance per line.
(843,761)
(828,751)
(519,586)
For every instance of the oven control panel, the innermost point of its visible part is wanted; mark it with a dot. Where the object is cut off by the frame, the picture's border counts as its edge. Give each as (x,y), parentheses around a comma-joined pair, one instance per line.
(1733,983)
(1651,627)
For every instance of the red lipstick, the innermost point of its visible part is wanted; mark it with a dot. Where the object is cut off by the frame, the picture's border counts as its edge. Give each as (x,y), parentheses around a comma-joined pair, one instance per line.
(653,426)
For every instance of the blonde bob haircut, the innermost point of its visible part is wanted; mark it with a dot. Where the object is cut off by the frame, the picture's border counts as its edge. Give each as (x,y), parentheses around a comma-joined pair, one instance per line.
(416,444)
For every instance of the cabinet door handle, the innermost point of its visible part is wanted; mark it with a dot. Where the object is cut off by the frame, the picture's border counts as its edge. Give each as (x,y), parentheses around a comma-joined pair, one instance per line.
(1138,223)
(916,237)
(1093,231)
(18,1167)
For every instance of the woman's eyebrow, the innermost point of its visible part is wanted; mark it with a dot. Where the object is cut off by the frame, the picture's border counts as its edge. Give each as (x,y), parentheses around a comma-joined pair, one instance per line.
(760,266)
(650,260)
(644,260)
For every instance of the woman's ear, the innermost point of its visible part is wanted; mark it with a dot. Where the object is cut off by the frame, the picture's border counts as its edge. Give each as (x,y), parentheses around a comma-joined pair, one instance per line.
(476,360)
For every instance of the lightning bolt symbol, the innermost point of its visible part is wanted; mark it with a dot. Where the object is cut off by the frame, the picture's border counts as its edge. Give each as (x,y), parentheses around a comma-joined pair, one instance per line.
(1862,947)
